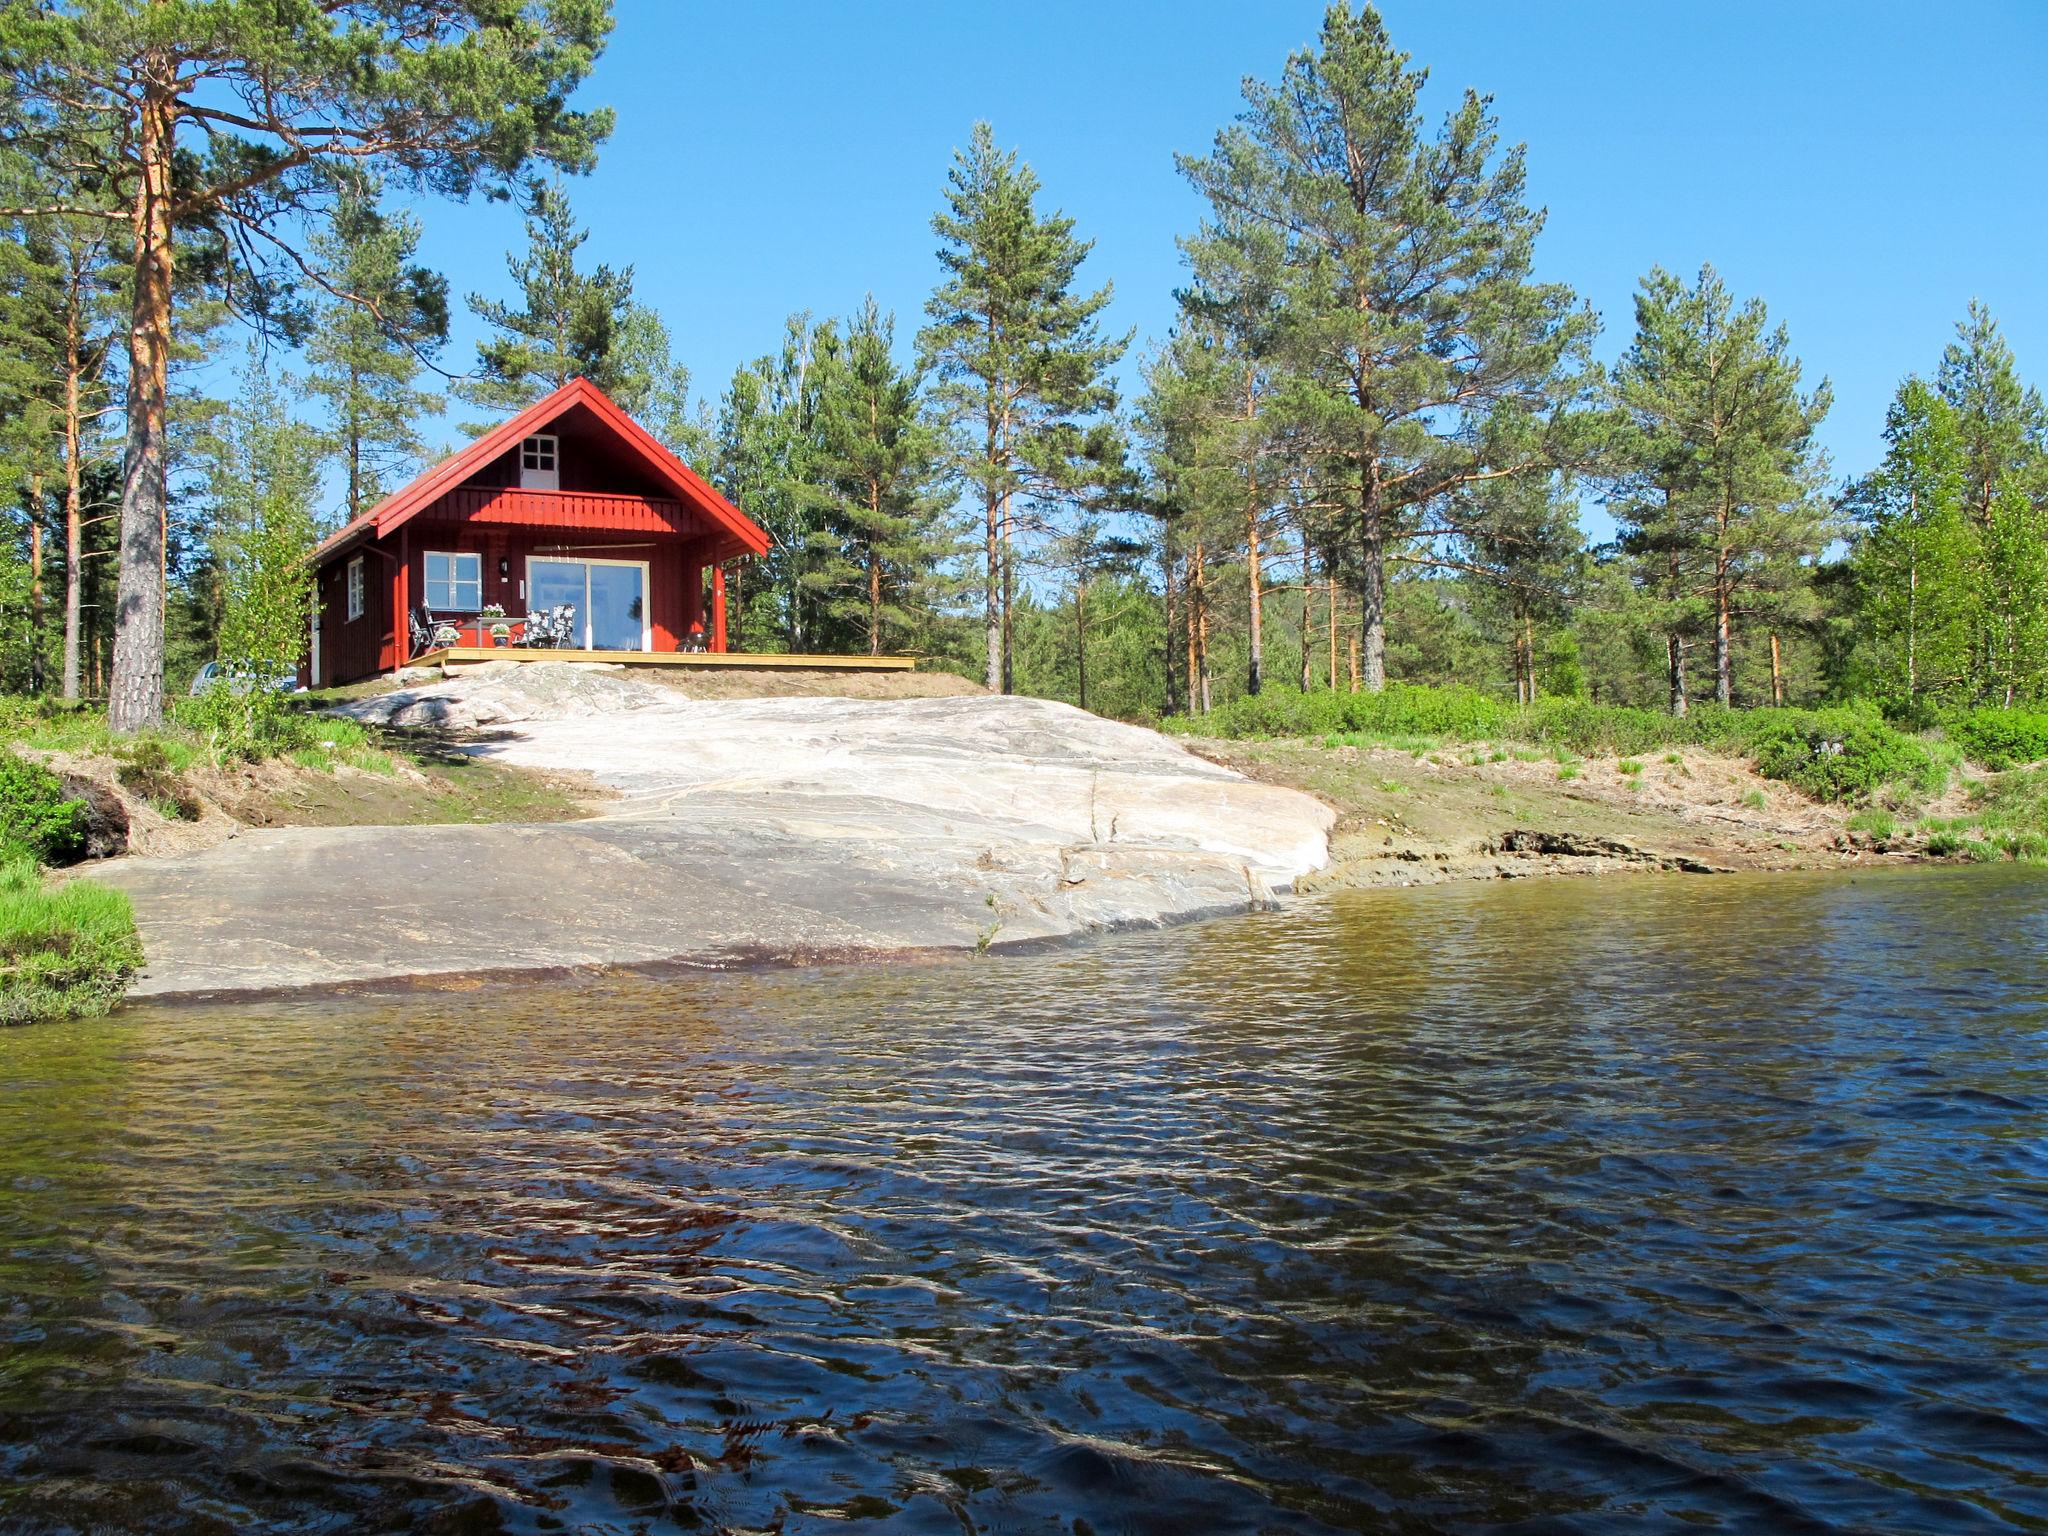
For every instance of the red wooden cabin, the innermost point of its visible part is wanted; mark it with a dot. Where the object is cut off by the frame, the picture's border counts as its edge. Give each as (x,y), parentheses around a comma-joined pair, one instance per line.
(570,503)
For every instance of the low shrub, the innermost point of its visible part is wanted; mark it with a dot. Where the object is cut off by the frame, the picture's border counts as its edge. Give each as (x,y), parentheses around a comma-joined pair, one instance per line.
(1999,738)
(66,952)
(36,815)
(1841,754)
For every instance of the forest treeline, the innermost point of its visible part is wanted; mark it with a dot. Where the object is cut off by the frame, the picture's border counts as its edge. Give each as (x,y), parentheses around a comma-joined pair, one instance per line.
(1365,453)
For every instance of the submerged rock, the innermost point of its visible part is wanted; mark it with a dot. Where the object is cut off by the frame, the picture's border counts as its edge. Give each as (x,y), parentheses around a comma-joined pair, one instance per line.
(746,829)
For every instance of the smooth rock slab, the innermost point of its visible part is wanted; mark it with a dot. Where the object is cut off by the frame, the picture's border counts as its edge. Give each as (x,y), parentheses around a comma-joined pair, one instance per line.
(747,830)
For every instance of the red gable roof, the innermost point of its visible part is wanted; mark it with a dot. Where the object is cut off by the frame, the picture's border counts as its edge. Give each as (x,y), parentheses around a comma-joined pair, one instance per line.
(690,487)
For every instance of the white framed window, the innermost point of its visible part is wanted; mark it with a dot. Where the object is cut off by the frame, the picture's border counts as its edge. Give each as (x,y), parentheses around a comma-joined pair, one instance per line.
(357,589)
(539,467)
(455,582)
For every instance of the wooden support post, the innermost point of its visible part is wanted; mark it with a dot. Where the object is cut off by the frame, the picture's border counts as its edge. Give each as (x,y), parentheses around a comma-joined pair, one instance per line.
(718,608)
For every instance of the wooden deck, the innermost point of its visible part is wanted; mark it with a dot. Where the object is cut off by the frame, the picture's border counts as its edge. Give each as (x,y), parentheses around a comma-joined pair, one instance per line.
(456,657)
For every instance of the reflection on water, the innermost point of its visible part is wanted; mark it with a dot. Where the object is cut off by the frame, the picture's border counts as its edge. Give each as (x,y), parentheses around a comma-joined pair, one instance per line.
(1588,1206)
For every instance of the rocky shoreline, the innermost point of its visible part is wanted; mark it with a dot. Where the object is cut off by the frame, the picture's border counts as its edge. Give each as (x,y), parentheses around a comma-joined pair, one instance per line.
(741,830)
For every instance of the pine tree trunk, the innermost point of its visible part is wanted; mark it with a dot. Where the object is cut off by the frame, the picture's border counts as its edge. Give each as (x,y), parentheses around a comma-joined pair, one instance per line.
(1354,661)
(1675,647)
(1529,654)
(1166,563)
(1777,677)
(1724,658)
(1255,669)
(1202,638)
(135,698)
(874,570)
(994,671)
(1191,600)
(74,510)
(1372,581)
(1308,610)
(35,585)
(1009,601)
(1330,598)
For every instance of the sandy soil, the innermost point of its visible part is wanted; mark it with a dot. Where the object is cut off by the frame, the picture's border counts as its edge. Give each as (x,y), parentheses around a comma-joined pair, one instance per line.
(1457,813)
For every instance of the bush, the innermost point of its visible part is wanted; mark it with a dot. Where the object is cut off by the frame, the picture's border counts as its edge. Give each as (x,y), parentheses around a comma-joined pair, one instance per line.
(1999,738)
(246,726)
(1845,753)
(67,952)
(35,813)
(1842,754)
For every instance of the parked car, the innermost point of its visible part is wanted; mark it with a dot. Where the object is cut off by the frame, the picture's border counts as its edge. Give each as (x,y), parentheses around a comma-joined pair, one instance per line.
(217,674)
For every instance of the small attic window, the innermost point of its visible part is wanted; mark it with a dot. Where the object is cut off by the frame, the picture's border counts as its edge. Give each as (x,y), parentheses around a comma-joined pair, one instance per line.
(538,469)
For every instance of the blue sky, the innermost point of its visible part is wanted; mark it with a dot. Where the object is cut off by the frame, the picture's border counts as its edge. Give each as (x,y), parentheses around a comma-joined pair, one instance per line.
(1865,168)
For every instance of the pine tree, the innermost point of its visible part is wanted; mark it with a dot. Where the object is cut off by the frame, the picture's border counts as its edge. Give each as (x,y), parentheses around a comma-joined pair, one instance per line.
(1233,323)
(1915,553)
(2003,423)
(568,324)
(1020,362)
(2015,597)
(1529,554)
(369,344)
(772,462)
(882,459)
(242,120)
(1726,439)
(1410,312)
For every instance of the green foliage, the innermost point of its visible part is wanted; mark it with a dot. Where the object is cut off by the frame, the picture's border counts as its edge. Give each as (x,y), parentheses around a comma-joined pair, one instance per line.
(1721,509)
(1999,738)
(36,815)
(1020,363)
(1875,822)
(66,951)
(365,350)
(1835,754)
(568,323)
(1406,260)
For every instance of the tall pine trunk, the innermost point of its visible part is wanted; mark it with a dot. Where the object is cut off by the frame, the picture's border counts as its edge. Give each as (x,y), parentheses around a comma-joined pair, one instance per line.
(1166,563)
(1675,659)
(1256,666)
(1308,610)
(74,494)
(1372,580)
(135,693)
(35,585)
(874,570)
(1330,600)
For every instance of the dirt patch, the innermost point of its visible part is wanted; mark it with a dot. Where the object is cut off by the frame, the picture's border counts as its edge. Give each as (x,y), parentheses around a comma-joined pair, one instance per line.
(203,806)
(1410,817)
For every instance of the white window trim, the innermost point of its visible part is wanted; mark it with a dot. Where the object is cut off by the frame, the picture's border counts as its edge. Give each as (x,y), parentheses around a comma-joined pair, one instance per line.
(583,609)
(537,476)
(427,584)
(356,587)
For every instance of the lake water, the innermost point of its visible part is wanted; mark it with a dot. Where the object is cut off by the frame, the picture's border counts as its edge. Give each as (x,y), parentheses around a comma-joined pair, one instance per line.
(1602,1205)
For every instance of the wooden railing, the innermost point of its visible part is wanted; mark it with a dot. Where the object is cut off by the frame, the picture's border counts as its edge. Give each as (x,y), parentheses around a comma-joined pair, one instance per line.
(597,511)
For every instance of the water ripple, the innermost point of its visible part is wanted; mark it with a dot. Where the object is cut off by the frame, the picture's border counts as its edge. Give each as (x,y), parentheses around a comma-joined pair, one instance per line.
(1596,1206)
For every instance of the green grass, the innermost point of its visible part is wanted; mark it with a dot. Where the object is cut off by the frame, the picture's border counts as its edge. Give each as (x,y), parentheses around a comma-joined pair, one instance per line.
(1630,765)
(1848,754)
(1876,822)
(67,951)
(1755,800)
(1567,770)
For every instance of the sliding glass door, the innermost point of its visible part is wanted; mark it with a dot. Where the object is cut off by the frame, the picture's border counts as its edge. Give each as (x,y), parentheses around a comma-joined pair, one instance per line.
(609,596)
